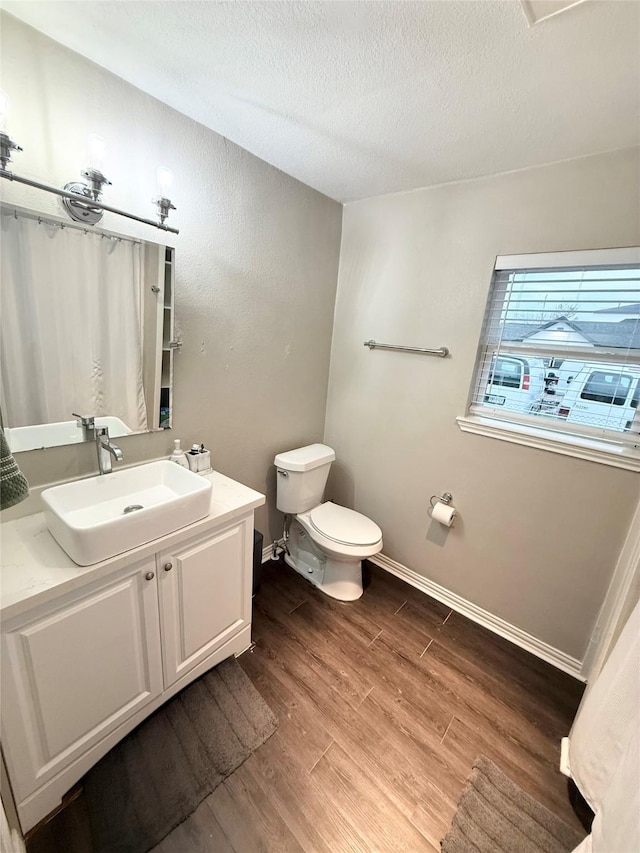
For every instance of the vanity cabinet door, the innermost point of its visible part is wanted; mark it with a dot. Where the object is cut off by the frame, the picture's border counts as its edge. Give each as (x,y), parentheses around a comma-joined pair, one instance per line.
(74,669)
(205,596)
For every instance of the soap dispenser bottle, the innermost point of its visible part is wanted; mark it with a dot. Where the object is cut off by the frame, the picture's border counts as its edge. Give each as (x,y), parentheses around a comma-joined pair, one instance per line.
(178,455)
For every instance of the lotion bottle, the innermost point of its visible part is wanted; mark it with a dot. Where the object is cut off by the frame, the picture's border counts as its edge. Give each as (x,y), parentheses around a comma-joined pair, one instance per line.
(178,456)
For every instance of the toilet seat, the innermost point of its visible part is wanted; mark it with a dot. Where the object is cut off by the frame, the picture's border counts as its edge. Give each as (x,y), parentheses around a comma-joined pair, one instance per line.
(344,526)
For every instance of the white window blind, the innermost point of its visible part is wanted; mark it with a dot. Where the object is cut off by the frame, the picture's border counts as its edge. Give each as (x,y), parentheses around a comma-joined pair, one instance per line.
(560,344)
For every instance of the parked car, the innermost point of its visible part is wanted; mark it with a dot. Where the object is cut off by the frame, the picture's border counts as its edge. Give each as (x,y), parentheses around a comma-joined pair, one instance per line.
(515,383)
(602,395)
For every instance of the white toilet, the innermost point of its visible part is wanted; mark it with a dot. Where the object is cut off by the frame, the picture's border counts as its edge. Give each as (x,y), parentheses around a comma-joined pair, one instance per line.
(326,542)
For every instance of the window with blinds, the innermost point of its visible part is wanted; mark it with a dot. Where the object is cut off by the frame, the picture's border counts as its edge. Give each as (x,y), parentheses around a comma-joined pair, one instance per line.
(560,345)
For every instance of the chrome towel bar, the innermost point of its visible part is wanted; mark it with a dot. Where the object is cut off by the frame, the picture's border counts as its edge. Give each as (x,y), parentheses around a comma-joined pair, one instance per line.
(441,352)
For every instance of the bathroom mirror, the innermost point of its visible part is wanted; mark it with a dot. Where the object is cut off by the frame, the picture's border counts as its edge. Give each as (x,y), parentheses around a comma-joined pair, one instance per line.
(86,328)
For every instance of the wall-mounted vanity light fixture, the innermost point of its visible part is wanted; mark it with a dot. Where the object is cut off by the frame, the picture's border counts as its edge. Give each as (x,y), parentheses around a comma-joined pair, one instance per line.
(82,199)
(165,179)
(82,211)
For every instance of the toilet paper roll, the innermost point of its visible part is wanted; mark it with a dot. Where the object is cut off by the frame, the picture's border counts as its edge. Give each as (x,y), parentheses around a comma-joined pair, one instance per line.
(444,513)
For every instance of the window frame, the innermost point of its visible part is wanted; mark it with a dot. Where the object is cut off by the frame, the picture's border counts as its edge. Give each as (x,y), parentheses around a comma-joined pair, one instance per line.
(581,441)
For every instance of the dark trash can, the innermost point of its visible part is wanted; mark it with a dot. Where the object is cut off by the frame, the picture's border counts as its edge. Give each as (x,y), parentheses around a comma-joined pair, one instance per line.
(258,540)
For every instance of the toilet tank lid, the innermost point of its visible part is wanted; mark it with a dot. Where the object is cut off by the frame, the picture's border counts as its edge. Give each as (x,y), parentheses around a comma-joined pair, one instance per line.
(305,458)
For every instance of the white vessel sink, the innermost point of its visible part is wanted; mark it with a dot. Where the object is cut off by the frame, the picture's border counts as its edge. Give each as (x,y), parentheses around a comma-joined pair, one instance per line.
(103,516)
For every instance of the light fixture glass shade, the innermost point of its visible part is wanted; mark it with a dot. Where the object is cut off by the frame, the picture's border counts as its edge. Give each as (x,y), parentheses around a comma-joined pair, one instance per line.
(165,180)
(5,109)
(97,149)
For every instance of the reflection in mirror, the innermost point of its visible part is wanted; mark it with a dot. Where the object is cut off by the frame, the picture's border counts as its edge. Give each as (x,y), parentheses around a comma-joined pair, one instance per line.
(86,327)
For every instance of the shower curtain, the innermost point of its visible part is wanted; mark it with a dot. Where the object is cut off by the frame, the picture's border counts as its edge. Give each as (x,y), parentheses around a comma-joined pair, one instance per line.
(70,323)
(604,748)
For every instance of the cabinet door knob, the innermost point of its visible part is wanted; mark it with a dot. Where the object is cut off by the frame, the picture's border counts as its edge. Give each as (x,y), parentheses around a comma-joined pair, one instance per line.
(168,567)
(149,576)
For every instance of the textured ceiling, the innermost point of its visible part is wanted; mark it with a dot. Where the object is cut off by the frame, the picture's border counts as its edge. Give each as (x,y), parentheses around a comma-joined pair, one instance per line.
(362,98)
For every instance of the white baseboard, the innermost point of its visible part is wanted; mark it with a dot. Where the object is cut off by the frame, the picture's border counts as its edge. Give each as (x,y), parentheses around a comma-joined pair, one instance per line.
(548,653)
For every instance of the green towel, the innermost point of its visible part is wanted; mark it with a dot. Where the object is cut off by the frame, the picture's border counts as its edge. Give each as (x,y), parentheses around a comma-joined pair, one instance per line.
(13,484)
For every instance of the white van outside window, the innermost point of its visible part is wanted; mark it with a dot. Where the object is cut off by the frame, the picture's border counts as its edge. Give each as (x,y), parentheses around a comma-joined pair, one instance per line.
(602,396)
(559,354)
(515,383)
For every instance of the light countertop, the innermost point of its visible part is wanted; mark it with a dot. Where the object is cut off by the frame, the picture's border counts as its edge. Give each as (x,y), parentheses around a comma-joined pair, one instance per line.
(34,569)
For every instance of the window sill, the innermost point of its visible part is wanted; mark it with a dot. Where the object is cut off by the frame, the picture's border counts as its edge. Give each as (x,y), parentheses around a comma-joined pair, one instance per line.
(592,450)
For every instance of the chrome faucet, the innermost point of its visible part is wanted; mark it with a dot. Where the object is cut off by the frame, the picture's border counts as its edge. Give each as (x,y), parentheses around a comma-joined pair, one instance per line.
(87,423)
(106,450)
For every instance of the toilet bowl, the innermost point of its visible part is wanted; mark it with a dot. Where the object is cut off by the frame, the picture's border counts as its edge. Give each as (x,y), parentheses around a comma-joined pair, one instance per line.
(326,543)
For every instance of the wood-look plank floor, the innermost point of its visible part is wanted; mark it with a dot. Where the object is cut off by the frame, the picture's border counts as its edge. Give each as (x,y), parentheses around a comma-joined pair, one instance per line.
(383,705)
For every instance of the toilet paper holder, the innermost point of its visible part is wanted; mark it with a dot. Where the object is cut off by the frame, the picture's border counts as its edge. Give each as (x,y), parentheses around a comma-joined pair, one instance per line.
(445,498)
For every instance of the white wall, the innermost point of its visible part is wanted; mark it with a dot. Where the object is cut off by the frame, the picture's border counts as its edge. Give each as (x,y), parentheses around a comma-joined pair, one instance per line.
(538,533)
(257,260)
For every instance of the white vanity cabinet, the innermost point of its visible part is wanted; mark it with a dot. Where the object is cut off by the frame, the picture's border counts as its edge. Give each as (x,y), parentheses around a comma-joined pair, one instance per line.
(89,652)
(75,669)
(204,597)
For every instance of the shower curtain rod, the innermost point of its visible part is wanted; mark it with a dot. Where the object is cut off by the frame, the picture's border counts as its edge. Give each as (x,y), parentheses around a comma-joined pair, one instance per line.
(11,176)
(17,212)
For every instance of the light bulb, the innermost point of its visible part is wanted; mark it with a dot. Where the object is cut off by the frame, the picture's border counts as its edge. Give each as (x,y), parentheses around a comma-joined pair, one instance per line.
(97,148)
(165,180)
(5,109)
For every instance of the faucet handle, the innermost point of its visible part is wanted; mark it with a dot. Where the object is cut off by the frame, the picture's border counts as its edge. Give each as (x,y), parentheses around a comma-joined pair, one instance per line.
(85,420)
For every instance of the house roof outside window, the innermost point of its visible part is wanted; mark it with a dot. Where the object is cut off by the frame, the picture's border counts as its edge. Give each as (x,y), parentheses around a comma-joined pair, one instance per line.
(621,334)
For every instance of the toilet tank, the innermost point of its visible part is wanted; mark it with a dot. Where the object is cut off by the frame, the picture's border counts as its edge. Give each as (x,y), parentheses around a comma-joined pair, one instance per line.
(301,477)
